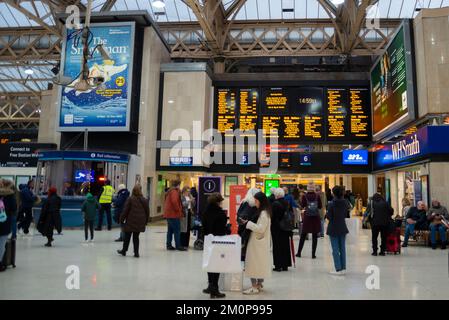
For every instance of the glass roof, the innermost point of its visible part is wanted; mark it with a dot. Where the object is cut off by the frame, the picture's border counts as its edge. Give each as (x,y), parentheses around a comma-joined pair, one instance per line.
(178,11)
(14,79)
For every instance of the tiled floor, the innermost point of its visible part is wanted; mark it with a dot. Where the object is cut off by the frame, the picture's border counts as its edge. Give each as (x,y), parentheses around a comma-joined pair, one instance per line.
(419,273)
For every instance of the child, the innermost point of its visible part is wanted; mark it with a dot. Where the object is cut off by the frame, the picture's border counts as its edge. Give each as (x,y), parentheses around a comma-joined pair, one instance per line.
(89,210)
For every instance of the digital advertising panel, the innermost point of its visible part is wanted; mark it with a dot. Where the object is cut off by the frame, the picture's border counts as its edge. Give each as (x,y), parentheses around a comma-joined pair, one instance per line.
(392,85)
(105,107)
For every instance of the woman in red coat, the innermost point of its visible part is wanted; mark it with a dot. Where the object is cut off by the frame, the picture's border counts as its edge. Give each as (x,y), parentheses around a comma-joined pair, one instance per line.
(311,203)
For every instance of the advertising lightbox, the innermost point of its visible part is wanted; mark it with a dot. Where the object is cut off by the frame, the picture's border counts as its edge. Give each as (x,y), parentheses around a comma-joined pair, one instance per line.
(105,107)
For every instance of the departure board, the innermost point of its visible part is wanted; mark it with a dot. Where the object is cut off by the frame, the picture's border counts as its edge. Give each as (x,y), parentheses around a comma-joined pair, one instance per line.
(226,106)
(248,113)
(337,113)
(275,100)
(296,114)
(360,123)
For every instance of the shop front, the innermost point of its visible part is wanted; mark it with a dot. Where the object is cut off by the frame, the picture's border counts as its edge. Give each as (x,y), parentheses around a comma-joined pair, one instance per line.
(414,167)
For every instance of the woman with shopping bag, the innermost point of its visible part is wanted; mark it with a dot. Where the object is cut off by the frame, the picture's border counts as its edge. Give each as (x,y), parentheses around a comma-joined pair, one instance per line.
(214,222)
(258,262)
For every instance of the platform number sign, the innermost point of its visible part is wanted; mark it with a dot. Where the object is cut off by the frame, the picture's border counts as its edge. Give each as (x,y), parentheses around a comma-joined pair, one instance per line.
(207,186)
(306,159)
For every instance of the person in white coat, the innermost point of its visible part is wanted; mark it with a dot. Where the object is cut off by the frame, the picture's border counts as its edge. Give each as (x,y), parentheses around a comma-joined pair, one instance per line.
(258,262)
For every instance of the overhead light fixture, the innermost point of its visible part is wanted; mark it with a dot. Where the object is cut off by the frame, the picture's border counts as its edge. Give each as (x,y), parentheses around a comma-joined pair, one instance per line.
(337,2)
(158,4)
(29,72)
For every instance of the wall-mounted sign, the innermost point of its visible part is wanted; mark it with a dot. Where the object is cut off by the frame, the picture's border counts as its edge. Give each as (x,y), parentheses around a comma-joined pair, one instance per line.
(181,161)
(207,186)
(84,156)
(429,140)
(269,184)
(305,159)
(355,157)
(105,107)
(22,154)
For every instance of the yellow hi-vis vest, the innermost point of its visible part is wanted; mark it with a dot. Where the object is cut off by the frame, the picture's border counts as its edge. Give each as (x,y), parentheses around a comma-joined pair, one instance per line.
(106,196)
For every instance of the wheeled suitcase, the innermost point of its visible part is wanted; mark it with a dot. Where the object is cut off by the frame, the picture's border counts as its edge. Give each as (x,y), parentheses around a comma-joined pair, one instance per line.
(394,241)
(9,258)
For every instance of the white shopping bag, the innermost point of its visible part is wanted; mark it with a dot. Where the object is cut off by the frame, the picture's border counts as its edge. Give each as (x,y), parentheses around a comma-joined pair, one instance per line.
(354,227)
(222,254)
(231,282)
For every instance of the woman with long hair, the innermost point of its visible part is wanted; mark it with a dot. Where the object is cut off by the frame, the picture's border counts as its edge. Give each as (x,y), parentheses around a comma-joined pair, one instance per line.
(258,262)
(134,218)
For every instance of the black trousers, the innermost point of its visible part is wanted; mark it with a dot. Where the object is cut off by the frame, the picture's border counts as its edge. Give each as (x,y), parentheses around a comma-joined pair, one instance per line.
(135,241)
(383,230)
(49,233)
(302,239)
(88,225)
(213,280)
(25,218)
(105,207)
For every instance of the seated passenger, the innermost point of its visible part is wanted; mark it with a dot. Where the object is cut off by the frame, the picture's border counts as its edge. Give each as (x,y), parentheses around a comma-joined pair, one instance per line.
(416,219)
(437,216)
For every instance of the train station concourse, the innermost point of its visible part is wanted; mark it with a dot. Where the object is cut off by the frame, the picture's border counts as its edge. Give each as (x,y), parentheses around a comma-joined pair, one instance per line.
(238,152)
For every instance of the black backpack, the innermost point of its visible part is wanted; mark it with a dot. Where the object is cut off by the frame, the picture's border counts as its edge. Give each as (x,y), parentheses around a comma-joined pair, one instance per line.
(288,221)
(312,208)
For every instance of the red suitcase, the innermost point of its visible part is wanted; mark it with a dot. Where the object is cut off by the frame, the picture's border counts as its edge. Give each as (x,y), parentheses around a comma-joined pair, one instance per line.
(394,241)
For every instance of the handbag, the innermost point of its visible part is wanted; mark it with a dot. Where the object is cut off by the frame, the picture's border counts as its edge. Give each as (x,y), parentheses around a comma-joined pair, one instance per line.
(221,254)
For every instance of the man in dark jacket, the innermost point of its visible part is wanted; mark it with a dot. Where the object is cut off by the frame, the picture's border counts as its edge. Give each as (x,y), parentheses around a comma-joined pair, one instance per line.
(27,199)
(416,219)
(7,196)
(214,222)
(119,204)
(380,221)
(438,217)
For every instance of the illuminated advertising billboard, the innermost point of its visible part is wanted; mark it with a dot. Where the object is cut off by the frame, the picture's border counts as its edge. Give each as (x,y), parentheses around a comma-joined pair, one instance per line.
(392,85)
(105,107)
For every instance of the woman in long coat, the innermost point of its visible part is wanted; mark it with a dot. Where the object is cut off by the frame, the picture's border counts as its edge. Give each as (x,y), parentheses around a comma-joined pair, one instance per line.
(258,261)
(281,238)
(311,223)
(135,217)
(50,217)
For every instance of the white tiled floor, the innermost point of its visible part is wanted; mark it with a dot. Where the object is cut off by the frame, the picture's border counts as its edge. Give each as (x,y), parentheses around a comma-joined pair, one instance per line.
(419,273)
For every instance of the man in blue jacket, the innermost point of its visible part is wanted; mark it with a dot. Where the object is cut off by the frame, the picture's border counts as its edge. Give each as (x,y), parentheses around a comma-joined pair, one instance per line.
(28,198)
(119,204)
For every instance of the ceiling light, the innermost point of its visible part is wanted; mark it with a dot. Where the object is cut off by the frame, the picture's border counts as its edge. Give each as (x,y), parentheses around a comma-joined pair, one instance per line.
(29,72)
(337,2)
(158,4)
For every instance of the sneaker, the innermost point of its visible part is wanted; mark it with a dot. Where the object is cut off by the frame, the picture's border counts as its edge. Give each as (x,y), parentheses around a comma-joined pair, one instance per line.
(336,273)
(251,291)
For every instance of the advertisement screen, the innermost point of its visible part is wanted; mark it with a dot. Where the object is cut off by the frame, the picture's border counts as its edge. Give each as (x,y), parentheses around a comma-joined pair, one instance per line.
(392,86)
(355,157)
(104,107)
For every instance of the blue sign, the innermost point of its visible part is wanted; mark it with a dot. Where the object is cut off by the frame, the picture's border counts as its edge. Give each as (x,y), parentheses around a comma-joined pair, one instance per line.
(306,159)
(355,157)
(181,161)
(429,140)
(244,161)
(84,176)
(105,107)
(84,155)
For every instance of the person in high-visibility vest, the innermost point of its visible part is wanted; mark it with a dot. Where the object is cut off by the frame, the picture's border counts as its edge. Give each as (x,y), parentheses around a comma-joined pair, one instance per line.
(105,205)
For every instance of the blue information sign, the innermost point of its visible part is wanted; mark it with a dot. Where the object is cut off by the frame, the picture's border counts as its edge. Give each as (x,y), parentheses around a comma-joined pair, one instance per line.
(355,157)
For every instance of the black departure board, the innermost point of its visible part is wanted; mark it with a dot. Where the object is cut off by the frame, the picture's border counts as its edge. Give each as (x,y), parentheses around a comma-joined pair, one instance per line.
(248,110)
(275,100)
(297,114)
(226,107)
(360,122)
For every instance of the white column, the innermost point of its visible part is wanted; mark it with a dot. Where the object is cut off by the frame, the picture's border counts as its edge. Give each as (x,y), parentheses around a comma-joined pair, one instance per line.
(371,185)
(393,176)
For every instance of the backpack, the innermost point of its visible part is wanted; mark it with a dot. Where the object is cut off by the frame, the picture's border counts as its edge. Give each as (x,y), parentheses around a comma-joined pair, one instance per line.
(288,221)
(312,208)
(3,216)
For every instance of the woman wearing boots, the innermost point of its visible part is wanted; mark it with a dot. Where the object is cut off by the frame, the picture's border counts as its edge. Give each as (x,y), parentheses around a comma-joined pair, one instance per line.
(134,218)
(50,217)
(214,222)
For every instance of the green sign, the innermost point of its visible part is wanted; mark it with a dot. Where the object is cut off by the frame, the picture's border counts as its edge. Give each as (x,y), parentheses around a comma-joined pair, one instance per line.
(270,183)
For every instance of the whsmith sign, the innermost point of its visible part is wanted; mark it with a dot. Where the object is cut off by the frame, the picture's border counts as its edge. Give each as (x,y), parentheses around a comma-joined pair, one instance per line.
(426,142)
